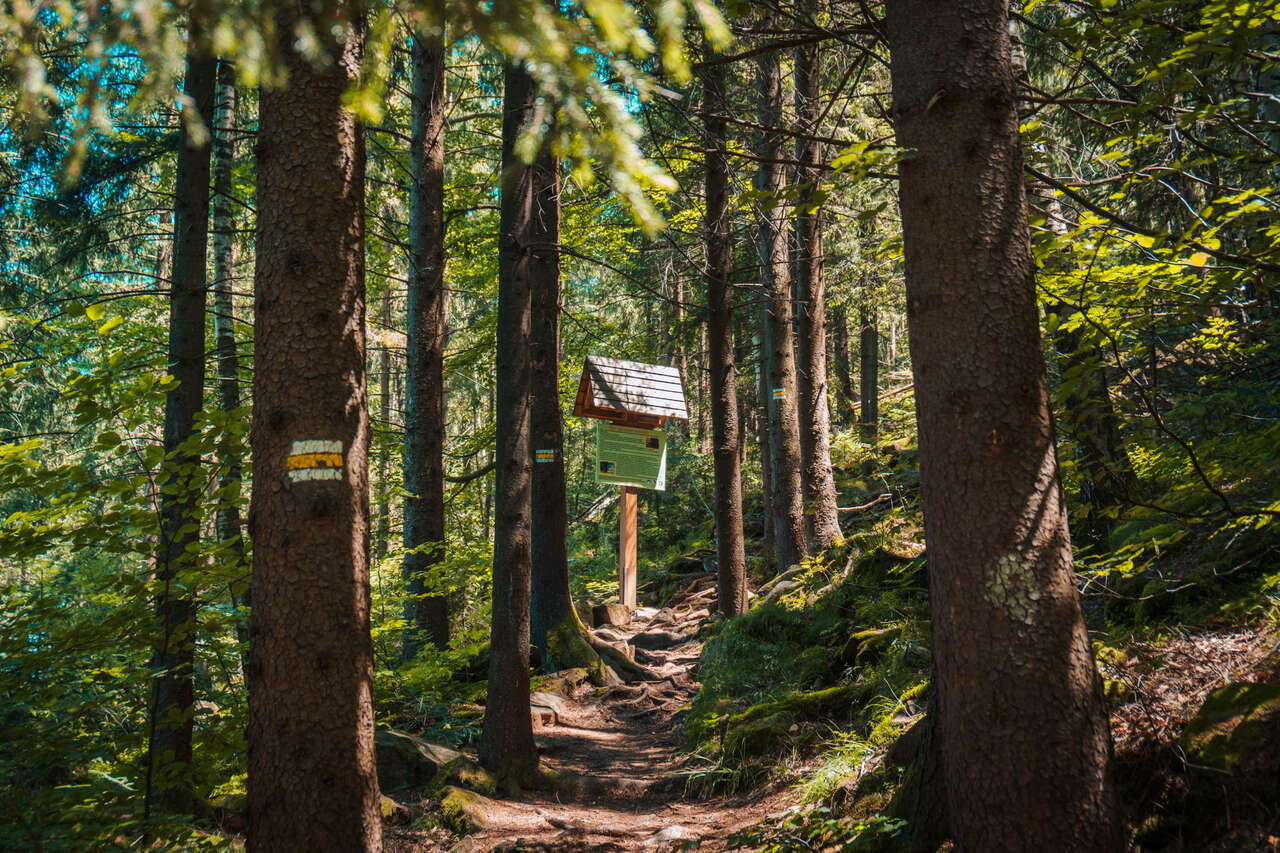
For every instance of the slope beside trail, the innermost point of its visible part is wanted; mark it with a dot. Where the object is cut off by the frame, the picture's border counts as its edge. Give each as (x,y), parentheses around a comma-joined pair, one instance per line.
(618,755)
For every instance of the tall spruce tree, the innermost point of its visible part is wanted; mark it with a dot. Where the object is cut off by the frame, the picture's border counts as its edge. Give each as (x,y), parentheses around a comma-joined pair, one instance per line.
(730,549)
(427,615)
(173,697)
(311,666)
(822,519)
(1023,724)
(506,745)
(790,536)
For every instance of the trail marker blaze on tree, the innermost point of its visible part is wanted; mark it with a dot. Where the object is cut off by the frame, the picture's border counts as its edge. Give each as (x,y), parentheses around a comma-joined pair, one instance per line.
(631,450)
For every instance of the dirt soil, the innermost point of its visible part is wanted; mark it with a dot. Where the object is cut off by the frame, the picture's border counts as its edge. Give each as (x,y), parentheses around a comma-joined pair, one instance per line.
(618,754)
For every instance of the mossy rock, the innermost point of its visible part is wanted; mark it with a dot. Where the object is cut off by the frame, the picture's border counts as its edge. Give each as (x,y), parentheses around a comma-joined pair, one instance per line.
(406,762)
(866,647)
(1237,730)
(816,665)
(758,736)
(832,701)
(465,812)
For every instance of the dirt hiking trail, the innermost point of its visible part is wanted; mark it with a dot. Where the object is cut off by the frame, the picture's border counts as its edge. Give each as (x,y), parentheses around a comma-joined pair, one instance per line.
(618,752)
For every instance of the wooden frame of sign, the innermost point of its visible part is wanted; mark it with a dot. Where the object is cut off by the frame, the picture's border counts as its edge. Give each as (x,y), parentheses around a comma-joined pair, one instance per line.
(634,394)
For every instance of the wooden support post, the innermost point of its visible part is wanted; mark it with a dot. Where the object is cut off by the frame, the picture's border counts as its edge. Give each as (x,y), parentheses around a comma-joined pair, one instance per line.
(627,549)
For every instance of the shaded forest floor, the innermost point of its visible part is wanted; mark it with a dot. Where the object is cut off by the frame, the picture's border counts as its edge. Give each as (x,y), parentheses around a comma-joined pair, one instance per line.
(621,775)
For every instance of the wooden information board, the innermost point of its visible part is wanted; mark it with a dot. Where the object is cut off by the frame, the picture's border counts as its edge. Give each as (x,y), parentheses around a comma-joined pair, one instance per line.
(631,456)
(631,400)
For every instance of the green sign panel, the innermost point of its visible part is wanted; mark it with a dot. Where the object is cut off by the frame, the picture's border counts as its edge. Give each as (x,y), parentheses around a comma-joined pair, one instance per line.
(631,456)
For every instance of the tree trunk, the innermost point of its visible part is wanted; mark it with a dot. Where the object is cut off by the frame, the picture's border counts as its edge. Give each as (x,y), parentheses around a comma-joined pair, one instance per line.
(868,368)
(506,745)
(1022,719)
(790,538)
(730,548)
(704,433)
(382,540)
(169,752)
(811,317)
(845,396)
(557,636)
(679,356)
(427,319)
(224,334)
(767,545)
(312,782)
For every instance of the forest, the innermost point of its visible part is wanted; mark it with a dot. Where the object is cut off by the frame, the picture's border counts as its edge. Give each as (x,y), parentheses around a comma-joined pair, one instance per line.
(640,425)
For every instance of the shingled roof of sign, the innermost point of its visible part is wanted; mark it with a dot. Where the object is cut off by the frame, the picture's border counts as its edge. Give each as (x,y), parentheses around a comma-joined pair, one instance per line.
(611,385)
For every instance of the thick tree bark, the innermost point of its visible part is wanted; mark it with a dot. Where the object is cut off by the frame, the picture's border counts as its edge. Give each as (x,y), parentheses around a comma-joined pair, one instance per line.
(1023,725)
(790,539)
(823,524)
(868,368)
(557,636)
(169,767)
(506,745)
(222,226)
(427,321)
(312,782)
(845,395)
(730,548)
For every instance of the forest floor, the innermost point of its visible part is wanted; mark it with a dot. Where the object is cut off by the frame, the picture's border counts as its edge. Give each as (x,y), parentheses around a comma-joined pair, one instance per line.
(622,775)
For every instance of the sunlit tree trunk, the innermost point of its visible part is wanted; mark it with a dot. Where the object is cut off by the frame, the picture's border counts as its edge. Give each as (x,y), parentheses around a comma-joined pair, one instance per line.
(1022,721)
(790,540)
(223,224)
(730,548)
(312,782)
(811,312)
(169,767)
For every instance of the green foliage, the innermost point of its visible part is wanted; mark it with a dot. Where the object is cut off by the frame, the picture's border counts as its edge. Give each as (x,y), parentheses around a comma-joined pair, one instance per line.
(814,829)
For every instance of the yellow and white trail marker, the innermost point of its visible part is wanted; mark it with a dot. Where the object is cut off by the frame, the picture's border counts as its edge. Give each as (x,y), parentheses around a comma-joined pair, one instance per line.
(318,459)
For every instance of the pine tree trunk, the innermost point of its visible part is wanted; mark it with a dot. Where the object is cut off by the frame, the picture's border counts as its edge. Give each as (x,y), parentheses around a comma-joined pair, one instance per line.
(312,782)
(557,636)
(868,369)
(1022,720)
(224,333)
(845,396)
(811,315)
(790,539)
(506,745)
(427,319)
(730,548)
(169,752)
